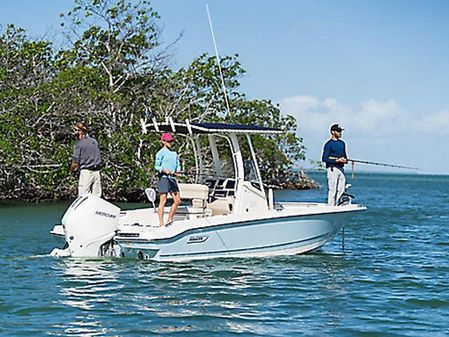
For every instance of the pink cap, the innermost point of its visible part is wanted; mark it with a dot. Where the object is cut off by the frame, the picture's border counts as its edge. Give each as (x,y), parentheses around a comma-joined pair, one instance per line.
(167,137)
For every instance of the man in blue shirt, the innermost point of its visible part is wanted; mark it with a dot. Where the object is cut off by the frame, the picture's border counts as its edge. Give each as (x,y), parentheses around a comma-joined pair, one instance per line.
(335,157)
(167,165)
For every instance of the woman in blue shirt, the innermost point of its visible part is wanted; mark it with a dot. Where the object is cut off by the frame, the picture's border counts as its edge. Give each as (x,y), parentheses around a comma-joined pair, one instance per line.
(167,165)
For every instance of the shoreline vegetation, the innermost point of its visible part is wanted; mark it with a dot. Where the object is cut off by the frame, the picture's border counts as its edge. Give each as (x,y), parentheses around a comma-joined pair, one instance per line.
(291,181)
(113,71)
(294,181)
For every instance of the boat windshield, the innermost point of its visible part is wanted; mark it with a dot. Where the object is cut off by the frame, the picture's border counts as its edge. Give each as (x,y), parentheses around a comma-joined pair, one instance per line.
(249,164)
(216,159)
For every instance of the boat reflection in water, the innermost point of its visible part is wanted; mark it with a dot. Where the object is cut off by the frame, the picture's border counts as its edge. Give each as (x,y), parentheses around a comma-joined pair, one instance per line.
(86,286)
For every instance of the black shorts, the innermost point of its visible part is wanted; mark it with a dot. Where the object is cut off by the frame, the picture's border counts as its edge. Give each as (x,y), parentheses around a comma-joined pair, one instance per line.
(167,185)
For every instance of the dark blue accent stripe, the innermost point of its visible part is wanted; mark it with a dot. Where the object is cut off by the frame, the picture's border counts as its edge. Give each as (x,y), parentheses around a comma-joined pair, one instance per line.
(322,236)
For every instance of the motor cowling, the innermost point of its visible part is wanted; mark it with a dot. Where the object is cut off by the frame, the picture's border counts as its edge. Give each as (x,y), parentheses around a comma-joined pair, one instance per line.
(88,223)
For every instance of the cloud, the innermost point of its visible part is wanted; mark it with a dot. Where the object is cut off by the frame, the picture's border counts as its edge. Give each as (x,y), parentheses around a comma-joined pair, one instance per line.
(436,123)
(370,117)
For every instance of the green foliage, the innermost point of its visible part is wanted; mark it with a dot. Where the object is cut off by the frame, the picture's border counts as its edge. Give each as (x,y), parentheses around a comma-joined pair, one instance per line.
(201,90)
(113,74)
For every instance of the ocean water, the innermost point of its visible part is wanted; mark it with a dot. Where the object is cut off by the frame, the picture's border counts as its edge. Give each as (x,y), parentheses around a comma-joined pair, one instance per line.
(392,279)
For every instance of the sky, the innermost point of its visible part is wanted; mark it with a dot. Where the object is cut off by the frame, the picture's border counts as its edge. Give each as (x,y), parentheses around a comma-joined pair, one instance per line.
(379,68)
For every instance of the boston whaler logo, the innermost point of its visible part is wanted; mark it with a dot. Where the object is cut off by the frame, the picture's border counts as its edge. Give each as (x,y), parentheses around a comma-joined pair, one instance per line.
(107,215)
(198,238)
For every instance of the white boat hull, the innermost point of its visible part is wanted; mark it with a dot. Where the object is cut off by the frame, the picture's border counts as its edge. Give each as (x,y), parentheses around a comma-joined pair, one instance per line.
(93,227)
(280,235)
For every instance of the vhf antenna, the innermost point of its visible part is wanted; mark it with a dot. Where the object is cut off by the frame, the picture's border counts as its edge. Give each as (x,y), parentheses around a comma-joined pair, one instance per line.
(218,59)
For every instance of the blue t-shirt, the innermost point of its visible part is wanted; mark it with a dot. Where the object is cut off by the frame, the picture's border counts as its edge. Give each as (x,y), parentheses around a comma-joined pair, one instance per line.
(334,149)
(166,159)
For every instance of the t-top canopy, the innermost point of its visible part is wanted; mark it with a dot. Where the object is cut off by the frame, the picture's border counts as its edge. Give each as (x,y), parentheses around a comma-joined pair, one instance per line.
(205,128)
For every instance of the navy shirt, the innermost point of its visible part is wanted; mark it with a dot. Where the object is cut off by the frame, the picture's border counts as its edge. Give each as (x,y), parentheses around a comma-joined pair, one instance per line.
(334,149)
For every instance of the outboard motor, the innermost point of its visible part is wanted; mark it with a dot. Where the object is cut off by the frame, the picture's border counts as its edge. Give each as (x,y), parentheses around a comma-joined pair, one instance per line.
(89,222)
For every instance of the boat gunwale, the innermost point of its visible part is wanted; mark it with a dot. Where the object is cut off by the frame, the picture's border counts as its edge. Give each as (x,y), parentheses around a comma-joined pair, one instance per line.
(209,226)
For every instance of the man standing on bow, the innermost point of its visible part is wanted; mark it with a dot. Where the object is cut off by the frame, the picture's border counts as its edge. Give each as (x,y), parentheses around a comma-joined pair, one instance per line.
(335,157)
(86,157)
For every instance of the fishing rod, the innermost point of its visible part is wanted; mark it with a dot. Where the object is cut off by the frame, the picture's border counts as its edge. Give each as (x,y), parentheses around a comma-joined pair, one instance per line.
(189,174)
(383,164)
(379,164)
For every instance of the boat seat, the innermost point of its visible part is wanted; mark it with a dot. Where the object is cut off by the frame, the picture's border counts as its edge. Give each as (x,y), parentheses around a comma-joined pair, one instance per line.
(221,206)
(198,193)
(192,191)
(183,213)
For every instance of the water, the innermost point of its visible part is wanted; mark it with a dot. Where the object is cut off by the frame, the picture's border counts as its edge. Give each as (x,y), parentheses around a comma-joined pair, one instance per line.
(391,280)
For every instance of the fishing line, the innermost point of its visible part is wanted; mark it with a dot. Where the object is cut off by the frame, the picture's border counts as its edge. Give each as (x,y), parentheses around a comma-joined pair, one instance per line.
(380,164)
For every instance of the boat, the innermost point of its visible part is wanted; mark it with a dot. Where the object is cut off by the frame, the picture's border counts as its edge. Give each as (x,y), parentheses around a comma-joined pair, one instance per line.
(227,210)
